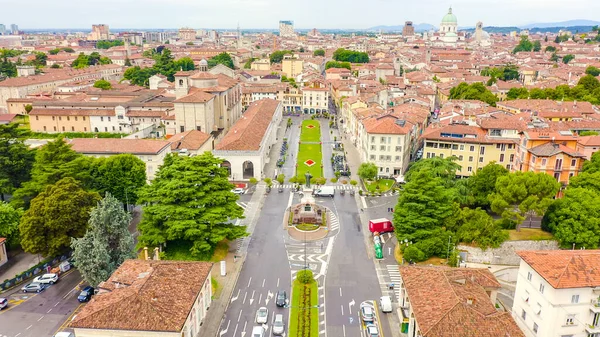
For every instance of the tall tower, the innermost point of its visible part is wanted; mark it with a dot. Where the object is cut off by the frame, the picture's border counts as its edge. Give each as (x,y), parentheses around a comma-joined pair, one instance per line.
(239,37)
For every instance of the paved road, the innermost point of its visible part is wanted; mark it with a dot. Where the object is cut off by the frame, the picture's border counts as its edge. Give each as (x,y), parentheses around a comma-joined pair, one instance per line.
(40,315)
(265,271)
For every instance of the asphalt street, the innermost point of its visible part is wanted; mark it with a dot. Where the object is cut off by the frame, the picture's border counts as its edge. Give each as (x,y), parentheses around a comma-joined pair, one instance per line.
(265,271)
(41,315)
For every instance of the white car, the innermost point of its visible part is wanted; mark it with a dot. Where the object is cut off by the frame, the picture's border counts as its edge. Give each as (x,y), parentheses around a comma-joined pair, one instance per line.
(46,279)
(64,334)
(239,190)
(262,315)
(372,330)
(278,325)
(258,331)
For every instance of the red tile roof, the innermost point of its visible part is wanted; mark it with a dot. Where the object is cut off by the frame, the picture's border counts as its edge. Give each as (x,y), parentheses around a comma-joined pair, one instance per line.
(565,268)
(191,140)
(452,302)
(248,132)
(145,295)
(116,146)
(386,124)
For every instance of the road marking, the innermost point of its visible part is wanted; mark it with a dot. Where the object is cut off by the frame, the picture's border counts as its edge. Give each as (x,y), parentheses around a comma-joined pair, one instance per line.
(344,329)
(236,296)
(269,296)
(249,282)
(342,306)
(263,285)
(260,298)
(351,319)
(272,317)
(350,306)
(17,335)
(340,291)
(225,331)
(29,327)
(235,331)
(57,303)
(252,298)
(39,319)
(239,316)
(49,311)
(378,320)
(277,282)
(244,331)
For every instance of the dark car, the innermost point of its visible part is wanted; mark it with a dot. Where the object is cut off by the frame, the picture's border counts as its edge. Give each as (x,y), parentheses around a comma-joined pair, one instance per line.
(281,299)
(86,294)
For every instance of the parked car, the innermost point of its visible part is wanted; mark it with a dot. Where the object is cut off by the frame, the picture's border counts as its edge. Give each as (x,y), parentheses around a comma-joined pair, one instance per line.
(238,190)
(372,330)
(258,331)
(367,312)
(86,294)
(46,279)
(33,287)
(281,298)
(278,325)
(262,315)
(64,334)
(3,303)
(385,303)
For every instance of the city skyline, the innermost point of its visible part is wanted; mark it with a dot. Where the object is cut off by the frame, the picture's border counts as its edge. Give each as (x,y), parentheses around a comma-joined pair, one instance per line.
(266,14)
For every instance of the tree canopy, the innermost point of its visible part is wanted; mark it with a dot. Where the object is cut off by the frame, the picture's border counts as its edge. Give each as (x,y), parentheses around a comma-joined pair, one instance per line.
(567,58)
(121,175)
(16,160)
(344,55)
(591,70)
(102,84)
(106,44)
(473,91)
(223,58)
(506,73)
(444,168)
(277,56)
(367,171)
(319,52)
(106,244)
(335,64)
(477,226)
(524,45)
(84,61)
(483,184)
(190,200)
(56,215)
(561,92)
(9,223)
(164,64)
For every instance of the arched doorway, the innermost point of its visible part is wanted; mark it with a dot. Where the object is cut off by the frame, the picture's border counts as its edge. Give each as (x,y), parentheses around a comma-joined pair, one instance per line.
(227,165)
(248,169)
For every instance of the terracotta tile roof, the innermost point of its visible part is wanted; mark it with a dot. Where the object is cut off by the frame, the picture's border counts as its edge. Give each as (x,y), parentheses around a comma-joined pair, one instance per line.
(248,132)
(386,124)
(589,140)
(144,113)
(463,133)
(145,295)
(452,302)
(7,117)
(565,268)
(2,240)
(116,145)
(196,97)
(552,149)
(191,140)
(71,112)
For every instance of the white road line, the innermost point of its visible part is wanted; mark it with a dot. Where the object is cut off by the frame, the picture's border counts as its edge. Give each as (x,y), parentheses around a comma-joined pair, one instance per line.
(39,319)
(272,317)
(264,283)
(249,282)
(342,306)
(277,282)
(340,291)
(29,327)
(244,331)
(260,298)
(235,330)
(56,304)
(239,316)
(49,311)
(344,329)
(245,294)
(17,335)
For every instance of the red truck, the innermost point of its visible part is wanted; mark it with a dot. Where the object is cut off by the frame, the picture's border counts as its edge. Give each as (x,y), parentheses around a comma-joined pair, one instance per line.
(382,225)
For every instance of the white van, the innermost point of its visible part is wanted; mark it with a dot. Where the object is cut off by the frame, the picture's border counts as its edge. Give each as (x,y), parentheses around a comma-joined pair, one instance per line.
(385,303)
(258,331)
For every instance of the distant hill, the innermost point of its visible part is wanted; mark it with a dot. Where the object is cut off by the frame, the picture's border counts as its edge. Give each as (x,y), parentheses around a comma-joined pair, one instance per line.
(421,27)
(507,30)
(570,23)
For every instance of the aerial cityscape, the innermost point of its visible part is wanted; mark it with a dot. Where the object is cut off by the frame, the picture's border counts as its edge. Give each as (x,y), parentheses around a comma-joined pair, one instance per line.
(433,175)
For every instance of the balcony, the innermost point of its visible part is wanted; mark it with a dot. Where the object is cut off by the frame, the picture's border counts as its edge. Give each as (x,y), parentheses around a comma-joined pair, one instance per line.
(595,305)
(590,328)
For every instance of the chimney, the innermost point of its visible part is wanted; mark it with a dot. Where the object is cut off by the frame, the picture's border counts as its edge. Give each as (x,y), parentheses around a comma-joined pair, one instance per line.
(156,254)
(145,253)
(470,300)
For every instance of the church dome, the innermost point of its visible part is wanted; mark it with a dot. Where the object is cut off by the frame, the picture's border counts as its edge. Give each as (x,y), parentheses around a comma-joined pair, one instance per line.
(203,62)
(449,18)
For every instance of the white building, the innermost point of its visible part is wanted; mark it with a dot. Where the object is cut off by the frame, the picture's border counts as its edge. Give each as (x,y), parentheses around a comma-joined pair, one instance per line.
(315,100)
(558,293)
(245,148)
(286,28)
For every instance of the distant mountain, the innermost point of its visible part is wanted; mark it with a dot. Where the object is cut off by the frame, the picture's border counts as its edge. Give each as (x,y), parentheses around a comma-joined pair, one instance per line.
(569,23)
(507,30)
(421,27)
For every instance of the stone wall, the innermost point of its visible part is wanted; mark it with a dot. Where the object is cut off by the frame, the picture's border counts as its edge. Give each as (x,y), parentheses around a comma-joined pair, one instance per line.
(505,254)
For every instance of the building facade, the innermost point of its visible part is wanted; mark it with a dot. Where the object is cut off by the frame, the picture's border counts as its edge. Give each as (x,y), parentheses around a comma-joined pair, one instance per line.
(286,28)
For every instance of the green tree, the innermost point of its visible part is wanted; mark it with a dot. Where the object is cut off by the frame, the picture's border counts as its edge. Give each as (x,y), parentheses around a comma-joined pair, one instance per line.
(82,61)
(190,200)
(550,49)
(223,58)
(54,51)
(335,64)
(248,64)
(367,171)
(517,93)
(554,57)
(122,176)
(102,84)
(444,168)
(8,68)
(16,160)
(476,226)
(344,55)
(537,46)
(591,70)
(9,223)
(575,219)
(319,52)
(520,193)
(474,91)
(53,162)
(483,183)
(68,50)
(106,44)
(185,64)
(28,108)
(567,58)
(106,244)
(281,178)
(56,215)
(277,56)
(589,82)
(524,45)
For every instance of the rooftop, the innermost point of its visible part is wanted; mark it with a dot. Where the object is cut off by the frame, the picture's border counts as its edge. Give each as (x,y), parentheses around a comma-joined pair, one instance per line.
(565,268)
(117,146)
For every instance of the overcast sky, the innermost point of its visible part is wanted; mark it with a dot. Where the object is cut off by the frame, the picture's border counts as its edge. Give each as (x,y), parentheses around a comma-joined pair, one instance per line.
(225,14)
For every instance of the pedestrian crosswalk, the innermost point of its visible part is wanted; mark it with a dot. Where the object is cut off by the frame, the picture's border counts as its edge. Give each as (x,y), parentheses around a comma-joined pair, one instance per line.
(395,280)
(243,205)
(334,223)
(337,187)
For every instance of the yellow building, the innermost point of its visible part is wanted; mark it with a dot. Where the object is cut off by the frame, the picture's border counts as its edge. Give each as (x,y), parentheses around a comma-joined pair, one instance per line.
(474,146)
(262,64)
(292,66)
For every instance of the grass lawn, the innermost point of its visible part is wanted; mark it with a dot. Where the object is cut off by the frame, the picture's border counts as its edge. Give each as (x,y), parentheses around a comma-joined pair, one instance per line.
(529,234)
(434,260)
(312,152)
(179,250)
(310,134)
(220,251)
(297,291)
(384,185)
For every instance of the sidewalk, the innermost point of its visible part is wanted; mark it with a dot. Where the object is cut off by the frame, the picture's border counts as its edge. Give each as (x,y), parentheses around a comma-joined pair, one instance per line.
(17,264)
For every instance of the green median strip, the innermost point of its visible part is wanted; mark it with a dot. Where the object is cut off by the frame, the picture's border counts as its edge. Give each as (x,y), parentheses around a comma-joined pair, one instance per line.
(304,316)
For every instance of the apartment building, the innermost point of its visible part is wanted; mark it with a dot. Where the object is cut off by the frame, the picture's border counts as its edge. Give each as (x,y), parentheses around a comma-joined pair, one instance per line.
(315,100)
(292,66)
(558,293)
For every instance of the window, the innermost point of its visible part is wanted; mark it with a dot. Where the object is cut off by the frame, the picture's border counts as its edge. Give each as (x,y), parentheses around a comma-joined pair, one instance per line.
(55,128)
(68,118)
(529,276)
(382,148)
(469,169)
(383,140)
(472,148)
(381,157)
(470,158)
(523,315)
(511,158)
(44,127)
(535,328)
(573,162)
(53,117)
(85,129)
(109,119)
(429,155)
(76,118)
(496,132)
(461,147)
(570,320)
(481,159)
(541,288)
(372,139)
(575,299)
(102,119)
(454,146)
(482,150)
(373,147)
(105,129)
(372,157)
(503,147)
(460,157)
(398,148)
(397,158)
(37,118)
(72,128)
(502,157)
(538,309)
(558,164)
(543,161)
(510,146)
(182,128)
(60,118)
